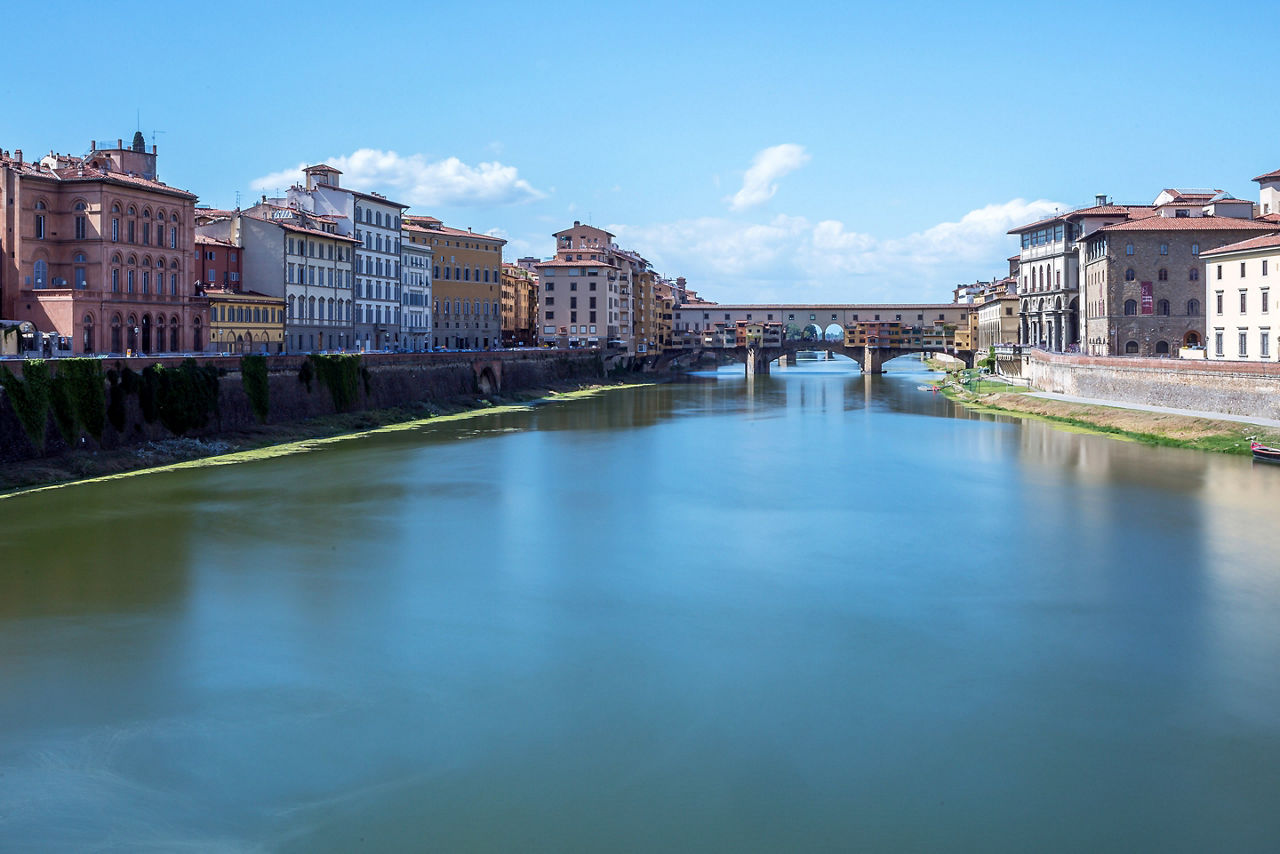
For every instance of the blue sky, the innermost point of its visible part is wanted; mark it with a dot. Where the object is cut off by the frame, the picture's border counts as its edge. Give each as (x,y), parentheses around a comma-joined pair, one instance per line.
(892,144)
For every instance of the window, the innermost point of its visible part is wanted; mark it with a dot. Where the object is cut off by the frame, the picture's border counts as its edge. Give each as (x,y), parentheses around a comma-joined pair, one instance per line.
(1193,307)
(1266,301)
(39,226)
(1131,347)
(1194,274)
(1130,307)
(1243,301)
(1264,266)
(42,274)
(1264,343)
(1129,275)
(1128,249)
(1219,302)
(115,230)
(1162,307)
(1195,248)
(1242,269)
(1219,271)
(1164,248)
(1162,275)
(1244,343)
(1217,343)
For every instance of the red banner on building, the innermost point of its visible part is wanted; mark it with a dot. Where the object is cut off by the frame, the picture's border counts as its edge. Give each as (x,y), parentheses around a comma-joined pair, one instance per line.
(1148,302)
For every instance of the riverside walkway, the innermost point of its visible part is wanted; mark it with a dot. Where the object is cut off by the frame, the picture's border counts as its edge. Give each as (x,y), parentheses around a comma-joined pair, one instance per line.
(1167,410)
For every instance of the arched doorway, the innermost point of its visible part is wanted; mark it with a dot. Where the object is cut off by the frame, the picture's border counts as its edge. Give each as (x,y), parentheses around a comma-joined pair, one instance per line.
(1192,339)
(87,340)
(159,333)
(173,334)
(197,339)
(132,333)
(117,341)
(1162,348)
(146,333)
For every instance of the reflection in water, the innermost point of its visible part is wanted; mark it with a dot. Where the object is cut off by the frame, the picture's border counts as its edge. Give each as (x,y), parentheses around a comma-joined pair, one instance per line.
(810,611)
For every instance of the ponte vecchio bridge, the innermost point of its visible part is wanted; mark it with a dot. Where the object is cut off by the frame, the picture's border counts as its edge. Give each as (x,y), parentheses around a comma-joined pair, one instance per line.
(701,327)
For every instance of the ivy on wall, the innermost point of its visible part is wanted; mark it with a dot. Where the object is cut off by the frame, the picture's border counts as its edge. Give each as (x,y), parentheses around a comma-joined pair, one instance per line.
(253,376)
(340,373)
(75,396)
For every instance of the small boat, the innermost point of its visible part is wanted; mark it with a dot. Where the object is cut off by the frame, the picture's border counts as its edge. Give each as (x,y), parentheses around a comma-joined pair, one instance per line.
(1265,453)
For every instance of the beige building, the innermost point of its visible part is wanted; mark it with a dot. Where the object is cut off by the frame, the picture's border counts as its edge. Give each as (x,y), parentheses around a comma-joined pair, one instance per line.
(1241,324)
(245,321)
(466,284)
(997,323)
(587,296)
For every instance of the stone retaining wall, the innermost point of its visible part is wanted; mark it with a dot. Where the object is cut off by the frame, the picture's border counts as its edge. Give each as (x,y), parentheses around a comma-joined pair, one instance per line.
(393,380)
(1237,388)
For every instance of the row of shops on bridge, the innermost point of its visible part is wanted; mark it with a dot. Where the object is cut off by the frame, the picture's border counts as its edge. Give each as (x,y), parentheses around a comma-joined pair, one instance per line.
(943,337)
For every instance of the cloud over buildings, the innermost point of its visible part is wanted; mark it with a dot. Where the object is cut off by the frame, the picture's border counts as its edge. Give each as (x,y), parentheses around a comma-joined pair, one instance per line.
(418,181)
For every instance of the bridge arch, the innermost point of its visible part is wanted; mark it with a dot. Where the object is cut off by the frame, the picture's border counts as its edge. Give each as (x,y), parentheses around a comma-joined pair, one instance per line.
(833,332)
(812,332)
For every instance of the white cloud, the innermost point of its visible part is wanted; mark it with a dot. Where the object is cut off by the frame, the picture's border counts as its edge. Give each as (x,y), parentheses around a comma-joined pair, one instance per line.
(760,181)
(415,180)
(790,258)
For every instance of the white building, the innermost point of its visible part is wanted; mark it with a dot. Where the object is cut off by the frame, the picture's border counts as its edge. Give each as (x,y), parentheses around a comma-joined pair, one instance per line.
(1239,299)
(415,294)
(374,222)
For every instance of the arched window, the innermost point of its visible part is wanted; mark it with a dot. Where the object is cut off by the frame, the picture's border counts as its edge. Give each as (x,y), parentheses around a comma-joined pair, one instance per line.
(1129,275)
(1194,274)
(173,334)
(291,308)
(87,339)
(1164,248)
(1131,347)
(1130,306)
(1162,275)
(1162,348)
(197,341)
(1193,307)
(1128,249)
(129,282)
(115,281)
(159,333)
(117,343)
(1162,307)
(41,274)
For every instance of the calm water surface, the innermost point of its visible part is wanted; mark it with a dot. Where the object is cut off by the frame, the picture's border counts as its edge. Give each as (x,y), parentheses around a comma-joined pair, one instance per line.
(818,612)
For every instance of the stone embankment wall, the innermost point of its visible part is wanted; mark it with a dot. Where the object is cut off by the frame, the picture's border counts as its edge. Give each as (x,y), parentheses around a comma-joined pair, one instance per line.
(375,381)
(1238,388)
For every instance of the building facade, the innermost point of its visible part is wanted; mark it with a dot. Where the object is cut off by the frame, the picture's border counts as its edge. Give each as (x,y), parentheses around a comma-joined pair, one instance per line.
(306,261)
(519,306)
(97,252)
(1239,300)
(415,294)
(466,284)
(1143,290)
(245,321)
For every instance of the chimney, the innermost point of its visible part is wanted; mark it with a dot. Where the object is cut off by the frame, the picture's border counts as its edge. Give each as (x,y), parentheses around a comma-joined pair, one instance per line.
(120,144)
(1100,199)
(576,223)
(153,148)
(17,155)
(264,198)
(93,145)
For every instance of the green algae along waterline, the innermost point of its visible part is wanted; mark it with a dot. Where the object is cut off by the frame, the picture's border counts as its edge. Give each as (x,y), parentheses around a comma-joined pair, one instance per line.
(814,612)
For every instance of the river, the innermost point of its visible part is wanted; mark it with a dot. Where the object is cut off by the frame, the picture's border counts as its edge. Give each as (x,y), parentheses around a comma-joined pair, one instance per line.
(816,612)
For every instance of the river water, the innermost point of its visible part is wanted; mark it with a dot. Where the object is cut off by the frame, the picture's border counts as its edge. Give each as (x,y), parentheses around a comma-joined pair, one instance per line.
(816,612)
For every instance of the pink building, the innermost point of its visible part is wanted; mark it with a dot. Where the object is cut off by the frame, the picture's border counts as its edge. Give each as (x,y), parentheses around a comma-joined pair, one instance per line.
(99,251)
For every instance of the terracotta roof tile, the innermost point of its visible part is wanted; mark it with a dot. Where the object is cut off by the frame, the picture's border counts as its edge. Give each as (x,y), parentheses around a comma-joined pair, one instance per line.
(1265,241)
(1189,223)
(1268,177)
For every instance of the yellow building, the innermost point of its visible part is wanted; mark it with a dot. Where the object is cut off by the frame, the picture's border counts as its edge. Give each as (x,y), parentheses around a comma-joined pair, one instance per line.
(466,283)
(519,306)
(245,322)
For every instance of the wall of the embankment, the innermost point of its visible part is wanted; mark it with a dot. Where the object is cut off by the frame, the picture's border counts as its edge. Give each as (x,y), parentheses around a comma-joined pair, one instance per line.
(392,380)
(1237,388)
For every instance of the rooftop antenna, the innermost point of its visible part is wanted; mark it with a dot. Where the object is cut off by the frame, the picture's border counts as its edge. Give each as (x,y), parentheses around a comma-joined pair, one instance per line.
(138,119)
(154,134)
(237,200)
